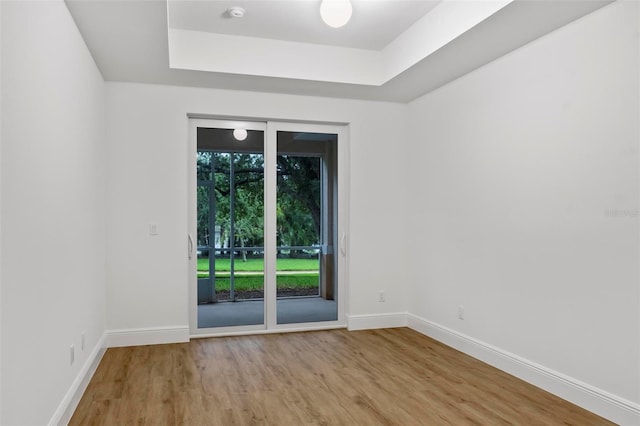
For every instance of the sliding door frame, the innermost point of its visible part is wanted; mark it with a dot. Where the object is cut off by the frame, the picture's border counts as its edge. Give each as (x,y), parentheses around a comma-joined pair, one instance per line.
(270,128)
(192,232)
(271,152)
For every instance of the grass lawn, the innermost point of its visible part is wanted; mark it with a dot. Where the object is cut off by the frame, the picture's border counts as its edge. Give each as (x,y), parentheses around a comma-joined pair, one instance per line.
(258,264)
(256,282)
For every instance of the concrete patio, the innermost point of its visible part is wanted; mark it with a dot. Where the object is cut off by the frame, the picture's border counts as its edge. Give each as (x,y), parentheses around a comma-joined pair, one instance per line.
(251,312)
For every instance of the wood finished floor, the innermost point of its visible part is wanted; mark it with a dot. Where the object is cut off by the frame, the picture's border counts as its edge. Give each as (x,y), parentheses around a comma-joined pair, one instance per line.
(375,377)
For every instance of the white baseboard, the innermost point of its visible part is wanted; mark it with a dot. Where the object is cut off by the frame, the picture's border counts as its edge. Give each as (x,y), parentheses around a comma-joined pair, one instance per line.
(74,394)
(605,404)
(147,336)
(366,322)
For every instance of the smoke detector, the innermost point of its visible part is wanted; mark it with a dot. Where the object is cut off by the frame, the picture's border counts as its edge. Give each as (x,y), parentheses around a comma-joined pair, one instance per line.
(236,12)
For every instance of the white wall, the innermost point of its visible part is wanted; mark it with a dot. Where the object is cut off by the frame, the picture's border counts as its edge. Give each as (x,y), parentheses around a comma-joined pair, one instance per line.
(147,139)
(524,201)
(53,220)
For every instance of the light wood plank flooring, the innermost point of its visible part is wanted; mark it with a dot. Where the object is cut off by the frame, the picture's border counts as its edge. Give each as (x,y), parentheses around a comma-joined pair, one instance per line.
(376,377)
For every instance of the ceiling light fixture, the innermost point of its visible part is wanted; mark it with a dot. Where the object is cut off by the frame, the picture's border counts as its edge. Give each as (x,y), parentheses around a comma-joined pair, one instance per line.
(335,13)
(236,12)
(240,134)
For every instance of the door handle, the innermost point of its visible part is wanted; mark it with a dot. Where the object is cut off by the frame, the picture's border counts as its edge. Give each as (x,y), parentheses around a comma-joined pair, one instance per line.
(343,244)
(190,246)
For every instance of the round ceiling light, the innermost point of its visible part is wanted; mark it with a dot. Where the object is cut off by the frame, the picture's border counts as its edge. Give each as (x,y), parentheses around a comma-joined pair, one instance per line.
(236,12)
(336,13)
(240,134)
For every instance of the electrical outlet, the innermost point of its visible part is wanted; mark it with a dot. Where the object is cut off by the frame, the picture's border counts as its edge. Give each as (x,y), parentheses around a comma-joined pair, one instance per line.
(72,354)
(153,228)
(381,296)
(460,312)
(82,341)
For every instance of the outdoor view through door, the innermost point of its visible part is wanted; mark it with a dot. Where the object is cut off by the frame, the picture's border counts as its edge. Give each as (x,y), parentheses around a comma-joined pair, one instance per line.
(306,214)
(231,230)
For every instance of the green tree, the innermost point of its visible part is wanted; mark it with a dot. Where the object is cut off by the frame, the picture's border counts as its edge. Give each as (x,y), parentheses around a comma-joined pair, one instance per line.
(298,209)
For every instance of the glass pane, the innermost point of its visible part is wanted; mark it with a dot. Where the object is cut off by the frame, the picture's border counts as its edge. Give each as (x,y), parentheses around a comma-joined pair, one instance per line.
(205,289)
(231,225)
(249,208)
(298,217)
(305,227)
(205,285)
(204,159)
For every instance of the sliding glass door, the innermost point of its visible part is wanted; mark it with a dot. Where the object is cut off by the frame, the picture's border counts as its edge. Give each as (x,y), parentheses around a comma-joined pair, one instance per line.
(264,225)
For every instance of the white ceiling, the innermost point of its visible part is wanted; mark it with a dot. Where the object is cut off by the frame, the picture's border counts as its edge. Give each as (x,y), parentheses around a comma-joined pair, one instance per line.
(129,41)
(375,23)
